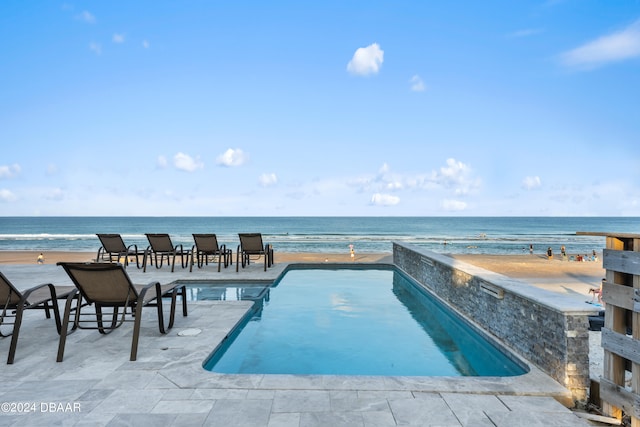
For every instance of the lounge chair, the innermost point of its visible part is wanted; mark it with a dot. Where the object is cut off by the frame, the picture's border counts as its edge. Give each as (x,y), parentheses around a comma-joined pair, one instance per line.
(251,245)
(113,247)
(14,302)
(160,244)
(108,286)
(206,245)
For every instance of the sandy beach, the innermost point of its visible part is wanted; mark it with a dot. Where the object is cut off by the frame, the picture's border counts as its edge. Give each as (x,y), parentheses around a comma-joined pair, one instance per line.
(527,267)
(52,257)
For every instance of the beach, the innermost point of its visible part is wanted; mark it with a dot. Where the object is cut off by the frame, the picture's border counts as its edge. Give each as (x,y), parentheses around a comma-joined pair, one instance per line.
(52,257)
(531,268)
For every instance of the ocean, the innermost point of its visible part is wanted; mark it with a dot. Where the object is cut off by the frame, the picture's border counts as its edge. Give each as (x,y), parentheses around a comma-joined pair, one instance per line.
(459,235)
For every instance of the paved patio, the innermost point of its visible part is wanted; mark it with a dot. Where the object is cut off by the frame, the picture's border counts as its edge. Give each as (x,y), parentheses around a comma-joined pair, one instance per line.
(97,385)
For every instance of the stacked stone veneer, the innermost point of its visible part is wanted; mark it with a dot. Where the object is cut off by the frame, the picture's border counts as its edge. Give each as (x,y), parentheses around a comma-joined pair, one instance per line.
(555,340)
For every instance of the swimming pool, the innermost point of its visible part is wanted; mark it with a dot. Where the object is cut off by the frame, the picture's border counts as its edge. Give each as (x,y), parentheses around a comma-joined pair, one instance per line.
(356,321)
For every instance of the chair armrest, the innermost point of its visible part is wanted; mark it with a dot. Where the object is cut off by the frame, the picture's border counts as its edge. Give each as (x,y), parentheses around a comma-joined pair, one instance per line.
(146,288)
(25,294)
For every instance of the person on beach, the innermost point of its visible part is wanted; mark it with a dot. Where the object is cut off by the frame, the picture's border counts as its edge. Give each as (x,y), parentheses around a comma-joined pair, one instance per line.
(353,253)
(598,292)
(563,252)
(40,259)
(549,253)
(531,249)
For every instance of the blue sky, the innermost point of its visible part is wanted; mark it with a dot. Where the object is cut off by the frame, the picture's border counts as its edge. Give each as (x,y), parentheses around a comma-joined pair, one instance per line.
(320,108)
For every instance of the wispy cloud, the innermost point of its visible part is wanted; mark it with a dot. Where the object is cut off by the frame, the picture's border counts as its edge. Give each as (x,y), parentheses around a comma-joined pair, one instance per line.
(417,85)
(7,195)
(86,16)
(162,162)
(531,182)
(232,157)
(118,38)
(187,163)
(366,60)
(95,47)
(614,47)
(9,171)
(268,179)
(455,174)
(145,44)
(454,179)
(381,199)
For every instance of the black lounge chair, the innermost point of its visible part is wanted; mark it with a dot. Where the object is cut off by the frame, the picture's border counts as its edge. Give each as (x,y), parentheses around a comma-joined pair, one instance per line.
(251,245)
(160,244)
(14,303)
(113,248)
(108,286)
(206,245)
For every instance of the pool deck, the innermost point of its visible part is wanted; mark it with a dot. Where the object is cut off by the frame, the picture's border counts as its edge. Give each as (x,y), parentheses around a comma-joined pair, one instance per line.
(97,385)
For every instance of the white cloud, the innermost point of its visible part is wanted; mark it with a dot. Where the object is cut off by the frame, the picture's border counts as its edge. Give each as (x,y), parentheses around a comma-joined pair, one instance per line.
(86,17)
(614,47)
(454,173)
(232,157)
(531,182)
(268,179)
(453,205)
(417,85)
(95,47)
(9,171)
(395,185)
(7,195)
(381,199)
(187,163)
(145,44)
(366,60)
(118,38)
(162,162)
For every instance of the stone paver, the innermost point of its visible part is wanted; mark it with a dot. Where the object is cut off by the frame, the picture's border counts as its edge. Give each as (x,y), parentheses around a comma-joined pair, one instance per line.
(168,386)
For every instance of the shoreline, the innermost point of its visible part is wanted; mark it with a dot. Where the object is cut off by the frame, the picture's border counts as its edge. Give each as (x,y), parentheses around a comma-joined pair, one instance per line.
(53,257)
(520,266)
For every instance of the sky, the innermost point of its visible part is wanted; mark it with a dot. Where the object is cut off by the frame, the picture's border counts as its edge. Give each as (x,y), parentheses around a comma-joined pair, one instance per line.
(332,108)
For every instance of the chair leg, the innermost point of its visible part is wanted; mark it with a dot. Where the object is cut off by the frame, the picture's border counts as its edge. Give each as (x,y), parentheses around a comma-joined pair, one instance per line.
(172,311)
(56,309)
(16,332)
(136,331)
(183,294)
(99,319)
(144,262)
(65,324)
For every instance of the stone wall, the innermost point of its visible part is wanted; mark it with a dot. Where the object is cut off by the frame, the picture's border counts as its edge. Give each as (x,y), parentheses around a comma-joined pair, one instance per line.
(546,329)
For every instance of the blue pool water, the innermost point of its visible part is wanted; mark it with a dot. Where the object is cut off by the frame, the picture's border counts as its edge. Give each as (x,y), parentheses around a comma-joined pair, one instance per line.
(354,321)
